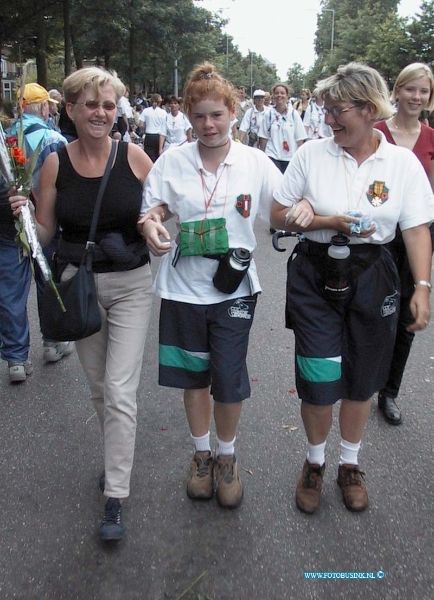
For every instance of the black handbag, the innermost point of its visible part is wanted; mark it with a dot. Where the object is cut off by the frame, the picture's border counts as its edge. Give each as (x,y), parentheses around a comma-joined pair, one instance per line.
(81,317)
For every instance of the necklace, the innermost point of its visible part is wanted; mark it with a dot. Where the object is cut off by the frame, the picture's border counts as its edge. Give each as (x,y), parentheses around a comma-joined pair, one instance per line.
(417,130)
(219,146)
(211,195)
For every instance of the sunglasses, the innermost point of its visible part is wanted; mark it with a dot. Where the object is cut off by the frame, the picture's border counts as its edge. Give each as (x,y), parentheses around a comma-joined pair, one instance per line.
(94,104)
(336,112)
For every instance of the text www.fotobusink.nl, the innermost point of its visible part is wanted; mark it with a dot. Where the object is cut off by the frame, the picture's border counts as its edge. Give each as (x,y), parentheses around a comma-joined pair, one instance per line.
(345,575)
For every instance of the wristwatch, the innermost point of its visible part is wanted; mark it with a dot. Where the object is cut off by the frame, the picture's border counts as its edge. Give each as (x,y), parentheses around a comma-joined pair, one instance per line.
(425,283)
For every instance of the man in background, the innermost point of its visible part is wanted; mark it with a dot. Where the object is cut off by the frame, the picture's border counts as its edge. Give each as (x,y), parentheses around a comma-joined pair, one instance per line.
(15,275)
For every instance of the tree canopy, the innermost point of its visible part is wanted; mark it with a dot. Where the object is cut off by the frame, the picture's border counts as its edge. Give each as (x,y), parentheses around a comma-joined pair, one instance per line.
(372,32)
(142,39)
(139,39)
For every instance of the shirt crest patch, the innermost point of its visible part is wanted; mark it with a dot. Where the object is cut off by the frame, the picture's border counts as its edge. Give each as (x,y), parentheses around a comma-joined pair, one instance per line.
(244,205)
(378,193)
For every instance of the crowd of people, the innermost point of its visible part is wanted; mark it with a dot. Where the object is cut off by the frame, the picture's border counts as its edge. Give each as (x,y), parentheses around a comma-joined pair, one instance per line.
(214,161)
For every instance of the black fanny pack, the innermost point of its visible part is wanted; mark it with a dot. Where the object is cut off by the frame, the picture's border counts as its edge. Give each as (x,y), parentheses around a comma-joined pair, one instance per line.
(362,256)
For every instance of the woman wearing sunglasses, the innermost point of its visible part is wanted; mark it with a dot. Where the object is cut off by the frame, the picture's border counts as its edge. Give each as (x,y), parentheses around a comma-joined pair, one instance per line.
(70,180)
(414,93)
(343,290)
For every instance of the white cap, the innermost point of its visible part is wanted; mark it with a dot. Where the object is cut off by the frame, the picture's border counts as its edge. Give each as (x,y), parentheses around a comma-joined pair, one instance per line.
(258,93)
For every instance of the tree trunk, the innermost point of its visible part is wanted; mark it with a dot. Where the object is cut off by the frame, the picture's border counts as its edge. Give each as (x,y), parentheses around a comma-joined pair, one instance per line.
(78,56)
(1,48)
(41,50)
(67,35)
(131,52)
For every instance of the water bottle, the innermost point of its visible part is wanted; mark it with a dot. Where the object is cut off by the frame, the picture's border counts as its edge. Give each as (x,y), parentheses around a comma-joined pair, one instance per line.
(231,270)
(337,281)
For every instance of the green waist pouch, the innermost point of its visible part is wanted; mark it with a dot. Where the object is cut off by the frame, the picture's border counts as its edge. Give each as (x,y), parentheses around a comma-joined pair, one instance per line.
(200,238)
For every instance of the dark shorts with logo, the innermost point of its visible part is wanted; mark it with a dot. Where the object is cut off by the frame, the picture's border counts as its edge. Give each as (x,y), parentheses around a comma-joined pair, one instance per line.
(202,345)
(342,349)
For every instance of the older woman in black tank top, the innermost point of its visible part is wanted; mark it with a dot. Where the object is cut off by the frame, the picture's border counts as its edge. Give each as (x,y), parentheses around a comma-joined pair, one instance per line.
(112,358)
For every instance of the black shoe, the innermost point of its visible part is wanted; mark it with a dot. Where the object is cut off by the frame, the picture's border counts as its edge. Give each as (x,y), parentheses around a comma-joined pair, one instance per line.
(112,527)
(272,230)
(389,409)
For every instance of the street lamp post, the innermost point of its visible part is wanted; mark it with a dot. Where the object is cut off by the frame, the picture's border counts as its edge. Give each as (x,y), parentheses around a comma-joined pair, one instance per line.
(227,55)
(220,10)
(251,73)
(333,27)
(175,72)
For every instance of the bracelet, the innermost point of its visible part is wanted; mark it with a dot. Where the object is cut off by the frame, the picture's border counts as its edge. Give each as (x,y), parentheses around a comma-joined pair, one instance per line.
(425,283)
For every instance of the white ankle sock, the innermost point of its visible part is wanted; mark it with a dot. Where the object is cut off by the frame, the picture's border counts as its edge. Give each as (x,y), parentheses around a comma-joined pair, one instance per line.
(225,448)
(349,453)
(316,454)
(202,444)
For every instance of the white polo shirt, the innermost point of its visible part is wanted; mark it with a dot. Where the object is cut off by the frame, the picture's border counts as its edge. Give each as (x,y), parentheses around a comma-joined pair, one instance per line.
(152,118)
(282,133)
(314,122)
(175,128)
(391,185)
(124,107)
(175,179)
(252,120)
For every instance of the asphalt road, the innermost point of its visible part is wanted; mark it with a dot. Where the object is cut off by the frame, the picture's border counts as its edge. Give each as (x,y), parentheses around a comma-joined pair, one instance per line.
(51,507)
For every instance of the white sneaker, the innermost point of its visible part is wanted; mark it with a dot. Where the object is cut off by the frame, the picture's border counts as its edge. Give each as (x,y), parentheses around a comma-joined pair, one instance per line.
(18,371)
(54,351)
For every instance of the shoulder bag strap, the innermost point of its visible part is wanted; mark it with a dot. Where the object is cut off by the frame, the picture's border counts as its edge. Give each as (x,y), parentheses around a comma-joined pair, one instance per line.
(90,243)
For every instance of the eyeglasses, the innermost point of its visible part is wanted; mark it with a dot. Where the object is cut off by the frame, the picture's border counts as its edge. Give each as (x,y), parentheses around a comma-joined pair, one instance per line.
(94,104)
(336,112)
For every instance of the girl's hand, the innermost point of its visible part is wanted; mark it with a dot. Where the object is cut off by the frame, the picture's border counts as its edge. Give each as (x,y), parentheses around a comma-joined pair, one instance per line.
(151,231)
(300,214)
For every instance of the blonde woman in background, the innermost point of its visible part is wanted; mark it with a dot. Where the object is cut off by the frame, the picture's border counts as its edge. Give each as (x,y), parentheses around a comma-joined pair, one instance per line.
(301,105)
(413,93)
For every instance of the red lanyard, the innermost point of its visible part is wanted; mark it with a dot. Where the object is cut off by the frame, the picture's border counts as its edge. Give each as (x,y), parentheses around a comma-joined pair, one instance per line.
(205,189)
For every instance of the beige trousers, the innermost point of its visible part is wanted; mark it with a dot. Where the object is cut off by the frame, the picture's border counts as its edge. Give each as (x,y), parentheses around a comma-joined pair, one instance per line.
(112,361)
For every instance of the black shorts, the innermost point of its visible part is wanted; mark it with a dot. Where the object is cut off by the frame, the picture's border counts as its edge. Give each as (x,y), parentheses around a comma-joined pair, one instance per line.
(342,349)
(202,345)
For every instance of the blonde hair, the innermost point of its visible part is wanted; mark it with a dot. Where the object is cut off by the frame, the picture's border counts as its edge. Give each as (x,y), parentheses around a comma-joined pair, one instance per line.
(205,81)
(91,77)
(358,83)
(415,71)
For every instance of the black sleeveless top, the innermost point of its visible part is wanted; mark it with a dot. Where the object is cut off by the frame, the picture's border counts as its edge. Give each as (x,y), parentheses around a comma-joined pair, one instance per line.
(120,207)
(76,197)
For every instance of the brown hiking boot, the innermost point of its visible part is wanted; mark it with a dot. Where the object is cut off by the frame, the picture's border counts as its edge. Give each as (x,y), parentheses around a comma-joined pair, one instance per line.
(228,483)
(200,485)
(350,480)
(308,493)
